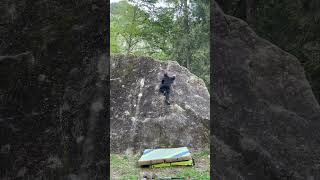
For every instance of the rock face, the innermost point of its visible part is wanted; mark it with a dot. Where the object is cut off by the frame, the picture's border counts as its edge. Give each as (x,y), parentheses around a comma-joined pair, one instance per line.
(52,89)
(139,116)
(265,117)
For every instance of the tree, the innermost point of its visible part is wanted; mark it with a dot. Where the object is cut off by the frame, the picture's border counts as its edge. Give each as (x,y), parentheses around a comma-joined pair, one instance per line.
(114,44)
(290,24)
(251,12)
(128,22)
(177,30)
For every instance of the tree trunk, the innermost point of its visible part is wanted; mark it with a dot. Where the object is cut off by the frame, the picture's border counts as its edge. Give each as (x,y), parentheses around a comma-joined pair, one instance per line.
(131,36)
(94,157)
(186,32)
(251,12)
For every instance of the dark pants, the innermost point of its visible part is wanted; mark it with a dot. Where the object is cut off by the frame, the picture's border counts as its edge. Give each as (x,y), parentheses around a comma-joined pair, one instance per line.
(166,91)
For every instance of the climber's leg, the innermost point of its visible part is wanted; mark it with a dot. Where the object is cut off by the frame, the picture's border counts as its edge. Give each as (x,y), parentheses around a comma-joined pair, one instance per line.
(167,92)
(162,89)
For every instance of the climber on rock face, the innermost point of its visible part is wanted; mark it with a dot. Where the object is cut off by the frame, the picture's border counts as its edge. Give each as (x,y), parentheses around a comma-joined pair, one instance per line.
(165,86)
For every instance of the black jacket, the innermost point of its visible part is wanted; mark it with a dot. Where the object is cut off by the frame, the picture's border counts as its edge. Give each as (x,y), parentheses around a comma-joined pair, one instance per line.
(167,81)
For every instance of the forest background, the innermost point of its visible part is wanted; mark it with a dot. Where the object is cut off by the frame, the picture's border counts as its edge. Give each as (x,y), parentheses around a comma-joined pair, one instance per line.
(164,30)
(293,25)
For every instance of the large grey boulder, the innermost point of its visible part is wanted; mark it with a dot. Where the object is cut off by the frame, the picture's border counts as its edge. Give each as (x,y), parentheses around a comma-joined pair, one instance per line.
(139,116)
(53,97)
(265,116)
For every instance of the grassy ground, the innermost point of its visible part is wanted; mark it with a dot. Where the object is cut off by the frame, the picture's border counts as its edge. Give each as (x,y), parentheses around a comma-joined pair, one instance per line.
(124,167)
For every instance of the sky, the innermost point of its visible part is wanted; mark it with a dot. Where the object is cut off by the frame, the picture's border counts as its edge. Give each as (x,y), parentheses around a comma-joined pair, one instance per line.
(161,3)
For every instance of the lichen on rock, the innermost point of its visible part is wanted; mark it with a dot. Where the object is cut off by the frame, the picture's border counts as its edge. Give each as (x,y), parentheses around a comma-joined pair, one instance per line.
(139,116)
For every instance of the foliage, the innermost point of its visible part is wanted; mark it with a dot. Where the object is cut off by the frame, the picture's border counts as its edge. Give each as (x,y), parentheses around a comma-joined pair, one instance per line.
(290,24)
(127,26)
(175,30)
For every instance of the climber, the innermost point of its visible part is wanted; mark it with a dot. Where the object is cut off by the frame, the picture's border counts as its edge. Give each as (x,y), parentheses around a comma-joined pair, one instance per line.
(165,86)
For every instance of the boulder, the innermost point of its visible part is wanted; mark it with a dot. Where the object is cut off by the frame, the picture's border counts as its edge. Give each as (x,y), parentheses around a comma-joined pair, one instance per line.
(53,88)
(140,118)
(264,110)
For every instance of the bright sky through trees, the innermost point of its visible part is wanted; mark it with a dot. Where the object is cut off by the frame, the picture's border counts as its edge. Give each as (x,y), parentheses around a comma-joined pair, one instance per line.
(163,30)
(158,4)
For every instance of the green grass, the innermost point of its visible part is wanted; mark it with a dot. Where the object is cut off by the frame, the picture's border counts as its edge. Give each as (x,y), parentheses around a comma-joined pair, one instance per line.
(124,167)
(201,154)
(195,174)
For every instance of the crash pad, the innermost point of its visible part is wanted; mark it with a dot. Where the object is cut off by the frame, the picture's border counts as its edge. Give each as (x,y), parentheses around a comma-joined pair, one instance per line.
(163,155)
(169,164)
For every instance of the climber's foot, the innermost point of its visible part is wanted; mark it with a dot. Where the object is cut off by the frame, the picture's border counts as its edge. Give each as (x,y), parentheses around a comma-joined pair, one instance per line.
(167,102)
